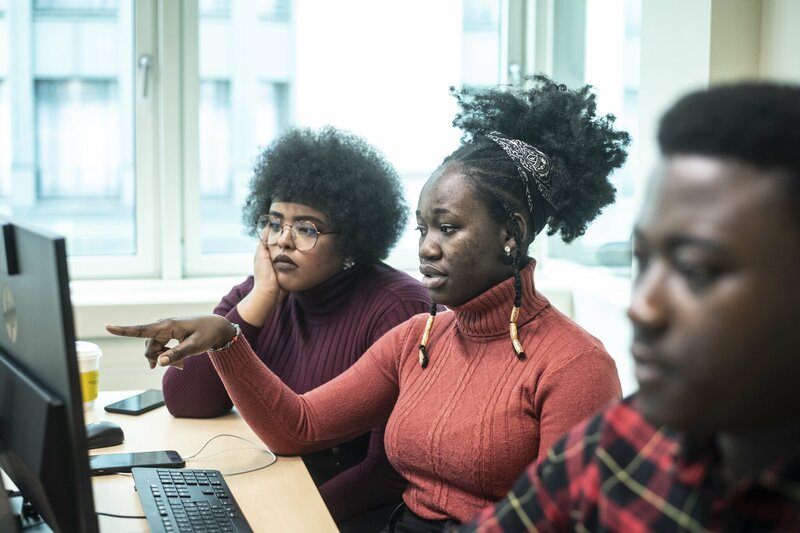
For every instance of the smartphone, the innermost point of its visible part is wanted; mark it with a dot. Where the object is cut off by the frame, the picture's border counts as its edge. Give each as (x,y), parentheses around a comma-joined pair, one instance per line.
(138,404)
(111,463)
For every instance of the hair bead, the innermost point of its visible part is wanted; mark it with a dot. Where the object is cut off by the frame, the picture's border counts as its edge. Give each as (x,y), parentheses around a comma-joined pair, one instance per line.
(513,331)
(426,335)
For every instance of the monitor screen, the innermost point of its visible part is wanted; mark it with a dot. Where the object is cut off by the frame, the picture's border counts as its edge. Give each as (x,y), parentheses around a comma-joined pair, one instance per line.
(43,445)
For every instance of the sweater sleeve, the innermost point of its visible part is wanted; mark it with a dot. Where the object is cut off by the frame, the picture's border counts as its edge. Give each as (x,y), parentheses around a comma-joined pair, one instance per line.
(573,390)
(197,391)
(341,409)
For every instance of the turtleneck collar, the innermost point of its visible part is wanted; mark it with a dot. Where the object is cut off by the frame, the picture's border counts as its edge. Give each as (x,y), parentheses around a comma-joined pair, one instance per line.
(488,314)
(328,297)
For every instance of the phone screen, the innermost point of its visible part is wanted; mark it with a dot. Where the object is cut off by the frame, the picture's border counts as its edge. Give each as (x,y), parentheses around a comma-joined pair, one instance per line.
(141,403)
(110,463)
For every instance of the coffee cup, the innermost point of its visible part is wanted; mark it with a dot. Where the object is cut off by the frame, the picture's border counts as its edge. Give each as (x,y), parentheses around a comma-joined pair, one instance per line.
(89,355)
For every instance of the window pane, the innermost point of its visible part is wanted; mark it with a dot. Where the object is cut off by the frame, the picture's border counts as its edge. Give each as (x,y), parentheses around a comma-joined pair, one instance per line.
(214,8)
(220,196)
(77,139)
(481,42)
(276,9)
(71,113)
(83,5)
(313,68)
(5,109)
(215,139)
(611,65)
(5,144)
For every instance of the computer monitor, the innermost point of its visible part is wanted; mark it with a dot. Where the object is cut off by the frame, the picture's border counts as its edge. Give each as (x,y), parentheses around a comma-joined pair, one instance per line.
(43,446)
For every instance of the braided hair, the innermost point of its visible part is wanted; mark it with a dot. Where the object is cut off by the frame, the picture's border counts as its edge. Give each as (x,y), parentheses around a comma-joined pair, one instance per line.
(583,150)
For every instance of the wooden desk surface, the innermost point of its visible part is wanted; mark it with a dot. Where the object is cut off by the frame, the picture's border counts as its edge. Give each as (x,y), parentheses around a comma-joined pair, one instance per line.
(280,498)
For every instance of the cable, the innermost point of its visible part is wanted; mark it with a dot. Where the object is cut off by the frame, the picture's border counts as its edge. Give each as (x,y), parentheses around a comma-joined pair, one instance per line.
(186,457)
(195,456)
(112,515)
(257,446)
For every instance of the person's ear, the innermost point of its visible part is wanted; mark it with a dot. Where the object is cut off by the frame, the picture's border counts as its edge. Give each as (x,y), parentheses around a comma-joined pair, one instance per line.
(508,232)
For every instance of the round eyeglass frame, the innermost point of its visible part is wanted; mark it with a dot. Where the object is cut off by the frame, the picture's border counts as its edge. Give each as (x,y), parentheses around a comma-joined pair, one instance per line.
(264,222)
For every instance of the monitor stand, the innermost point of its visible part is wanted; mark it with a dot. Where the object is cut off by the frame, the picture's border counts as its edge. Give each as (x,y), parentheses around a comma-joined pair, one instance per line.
(11,512)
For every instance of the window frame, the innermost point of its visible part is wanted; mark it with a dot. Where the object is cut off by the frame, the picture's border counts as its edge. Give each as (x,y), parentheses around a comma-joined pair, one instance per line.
(21,20)
(166,145)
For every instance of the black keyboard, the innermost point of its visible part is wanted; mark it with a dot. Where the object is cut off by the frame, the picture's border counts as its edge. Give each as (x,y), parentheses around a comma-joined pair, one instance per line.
(176,500)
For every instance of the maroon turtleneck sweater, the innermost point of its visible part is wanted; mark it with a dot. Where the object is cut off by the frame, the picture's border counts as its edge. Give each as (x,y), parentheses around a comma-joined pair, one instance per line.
(310,338)
(461,430)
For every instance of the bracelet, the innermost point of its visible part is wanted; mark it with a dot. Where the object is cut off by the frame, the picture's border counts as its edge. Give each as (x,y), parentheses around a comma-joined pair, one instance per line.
(236,332)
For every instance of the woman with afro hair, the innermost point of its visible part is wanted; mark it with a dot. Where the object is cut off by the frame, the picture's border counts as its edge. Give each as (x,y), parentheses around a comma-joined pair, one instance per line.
(475,393)
(327,208)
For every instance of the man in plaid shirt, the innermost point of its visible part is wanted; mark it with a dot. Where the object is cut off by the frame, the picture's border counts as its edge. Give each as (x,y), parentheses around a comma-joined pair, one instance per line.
(711,441)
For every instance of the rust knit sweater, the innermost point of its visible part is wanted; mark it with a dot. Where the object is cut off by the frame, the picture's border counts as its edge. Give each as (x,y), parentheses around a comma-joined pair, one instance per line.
(463,429)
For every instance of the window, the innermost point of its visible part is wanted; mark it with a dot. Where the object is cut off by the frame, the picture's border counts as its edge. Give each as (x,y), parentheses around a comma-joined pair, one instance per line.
(72,153)
(606,57)
(81,159)
(132,127)
(276,9)
(72,5)
(318,71)
(215,8)
(77,140)
(5,143)
(5,110)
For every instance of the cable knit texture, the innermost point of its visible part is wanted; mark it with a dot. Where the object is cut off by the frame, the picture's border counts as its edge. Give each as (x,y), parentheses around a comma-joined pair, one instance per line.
(310,338)
(463,429)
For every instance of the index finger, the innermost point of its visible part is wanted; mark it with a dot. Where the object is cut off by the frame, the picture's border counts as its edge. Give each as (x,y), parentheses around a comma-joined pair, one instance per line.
(149,331)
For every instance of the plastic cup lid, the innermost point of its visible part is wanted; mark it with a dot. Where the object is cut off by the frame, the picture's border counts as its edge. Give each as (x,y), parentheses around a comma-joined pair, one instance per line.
(87,350)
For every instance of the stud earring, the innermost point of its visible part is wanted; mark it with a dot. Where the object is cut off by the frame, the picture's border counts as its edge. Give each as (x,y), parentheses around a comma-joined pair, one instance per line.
(507,259)
(348,263)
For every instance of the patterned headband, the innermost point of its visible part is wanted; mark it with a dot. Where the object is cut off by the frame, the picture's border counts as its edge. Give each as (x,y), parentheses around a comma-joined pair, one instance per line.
(531,163)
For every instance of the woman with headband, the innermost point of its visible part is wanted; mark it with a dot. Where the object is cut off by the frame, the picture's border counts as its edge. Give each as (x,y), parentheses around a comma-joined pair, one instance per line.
(475,393)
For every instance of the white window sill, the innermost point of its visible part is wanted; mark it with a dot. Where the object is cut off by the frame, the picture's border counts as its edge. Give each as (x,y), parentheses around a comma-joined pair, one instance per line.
(99,302)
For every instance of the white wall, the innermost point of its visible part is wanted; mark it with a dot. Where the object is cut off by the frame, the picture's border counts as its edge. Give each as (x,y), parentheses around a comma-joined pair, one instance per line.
(95,304)
(780,40)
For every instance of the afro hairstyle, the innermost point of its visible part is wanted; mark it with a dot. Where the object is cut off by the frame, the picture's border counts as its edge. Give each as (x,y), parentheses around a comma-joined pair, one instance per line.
(584,149)
(338,174)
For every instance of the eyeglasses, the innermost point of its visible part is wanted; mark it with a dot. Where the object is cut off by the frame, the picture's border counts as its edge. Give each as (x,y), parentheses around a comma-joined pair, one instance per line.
(304,232)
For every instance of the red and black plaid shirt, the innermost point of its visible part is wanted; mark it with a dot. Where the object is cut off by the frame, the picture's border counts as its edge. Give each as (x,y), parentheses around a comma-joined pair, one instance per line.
(616,472)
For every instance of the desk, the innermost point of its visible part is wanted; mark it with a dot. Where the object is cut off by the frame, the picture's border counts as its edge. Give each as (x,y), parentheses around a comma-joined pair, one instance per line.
(279,498)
